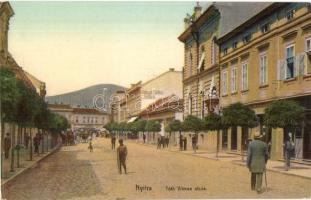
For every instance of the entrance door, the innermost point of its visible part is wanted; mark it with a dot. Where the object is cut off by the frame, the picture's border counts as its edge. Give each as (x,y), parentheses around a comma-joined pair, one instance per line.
(224,139)
(307,139)
(234,133)
(244,138)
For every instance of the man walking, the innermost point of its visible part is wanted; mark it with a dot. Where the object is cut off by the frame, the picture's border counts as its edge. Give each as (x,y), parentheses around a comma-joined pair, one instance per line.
(257,156)
(144,138)
(36,143)
(121,156)
(113,142)
(7,145)
(289,148)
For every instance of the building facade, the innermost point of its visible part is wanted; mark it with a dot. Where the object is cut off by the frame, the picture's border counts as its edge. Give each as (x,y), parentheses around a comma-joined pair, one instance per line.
(140,95)
(201,73)
(81,117)
(267,58)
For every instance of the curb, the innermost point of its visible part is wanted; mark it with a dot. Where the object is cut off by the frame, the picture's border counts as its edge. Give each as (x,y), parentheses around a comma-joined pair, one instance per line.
(215,159)
(30,166)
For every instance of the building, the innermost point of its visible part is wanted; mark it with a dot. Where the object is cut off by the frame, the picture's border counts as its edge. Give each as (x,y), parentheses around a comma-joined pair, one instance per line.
(163,110)
(201,80)
(140,95)
(267,58)
(117,114)
(6,59)
(81,117)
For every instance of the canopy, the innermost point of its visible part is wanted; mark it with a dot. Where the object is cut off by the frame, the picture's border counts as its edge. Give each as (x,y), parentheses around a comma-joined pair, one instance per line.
(132,119)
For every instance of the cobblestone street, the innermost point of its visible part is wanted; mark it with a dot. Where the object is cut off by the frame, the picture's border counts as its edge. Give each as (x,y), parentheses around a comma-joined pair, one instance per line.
(75,173)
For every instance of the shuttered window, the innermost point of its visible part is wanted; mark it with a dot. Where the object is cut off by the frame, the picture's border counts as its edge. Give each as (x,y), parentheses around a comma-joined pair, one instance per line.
(244,75)
(263,69)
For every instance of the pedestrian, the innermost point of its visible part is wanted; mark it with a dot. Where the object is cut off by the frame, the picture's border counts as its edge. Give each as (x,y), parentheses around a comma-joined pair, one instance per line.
(90,145)
(181,142)
(144,138)
(113,142)
(121,156)
(167,141)
(257,157)
(27,140)
(159,143)
(185,143)
(289,149)
(194,143)
(7,145)
(36,143)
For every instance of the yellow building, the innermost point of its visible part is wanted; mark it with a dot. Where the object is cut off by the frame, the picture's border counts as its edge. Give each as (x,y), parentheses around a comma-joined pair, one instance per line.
(140,95)
(267,58)
(201,56)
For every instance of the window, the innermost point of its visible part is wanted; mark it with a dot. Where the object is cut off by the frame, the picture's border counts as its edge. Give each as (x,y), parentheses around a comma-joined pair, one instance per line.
(247,38)
(213,51)
(265,28)
(290,15)
(225,51)
(233,79)
(224,83)
(244,75)
(190,64)
(234,45)
(263,69)
(190,104)
(308,45)
(202,60)
(290,57)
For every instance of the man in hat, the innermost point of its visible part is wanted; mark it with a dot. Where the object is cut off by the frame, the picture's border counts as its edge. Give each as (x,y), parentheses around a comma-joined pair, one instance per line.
(289,148)
(257,156)
(7,145)
(121,156)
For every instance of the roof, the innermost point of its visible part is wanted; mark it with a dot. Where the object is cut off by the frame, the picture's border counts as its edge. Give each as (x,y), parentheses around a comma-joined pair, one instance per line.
(235,13)
(232,14)
(172,70)
(169,103)
(87,111)
(59,106)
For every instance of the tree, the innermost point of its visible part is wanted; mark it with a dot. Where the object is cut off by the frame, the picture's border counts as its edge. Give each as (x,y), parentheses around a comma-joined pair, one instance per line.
(193,123)
(213,123)
(238,114)
(153,126)
(173,126)
(8,99)
(286,114)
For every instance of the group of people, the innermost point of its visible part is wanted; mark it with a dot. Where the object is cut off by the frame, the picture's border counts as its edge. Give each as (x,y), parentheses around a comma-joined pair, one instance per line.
(163,141)
(182,143)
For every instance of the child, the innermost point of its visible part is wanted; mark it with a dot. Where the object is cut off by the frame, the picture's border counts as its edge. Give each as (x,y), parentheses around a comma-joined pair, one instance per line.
(90,146)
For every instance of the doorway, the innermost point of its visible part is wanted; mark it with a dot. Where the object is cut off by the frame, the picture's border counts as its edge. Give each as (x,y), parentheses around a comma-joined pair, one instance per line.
(234,133)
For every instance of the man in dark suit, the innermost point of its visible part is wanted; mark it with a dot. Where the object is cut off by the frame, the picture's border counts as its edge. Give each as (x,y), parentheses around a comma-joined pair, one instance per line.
(257,156)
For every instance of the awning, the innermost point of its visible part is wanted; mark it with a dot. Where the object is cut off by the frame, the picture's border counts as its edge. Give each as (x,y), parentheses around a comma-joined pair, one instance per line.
(132,119)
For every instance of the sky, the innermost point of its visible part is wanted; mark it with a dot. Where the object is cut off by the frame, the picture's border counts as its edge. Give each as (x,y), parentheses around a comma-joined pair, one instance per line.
(73,45)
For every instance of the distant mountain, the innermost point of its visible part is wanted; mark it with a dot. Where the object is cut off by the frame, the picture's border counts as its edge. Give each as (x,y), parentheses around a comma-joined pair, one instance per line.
(98,95)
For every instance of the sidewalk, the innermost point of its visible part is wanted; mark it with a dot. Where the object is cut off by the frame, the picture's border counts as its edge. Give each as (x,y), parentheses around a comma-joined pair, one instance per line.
(297,169)
(7,175)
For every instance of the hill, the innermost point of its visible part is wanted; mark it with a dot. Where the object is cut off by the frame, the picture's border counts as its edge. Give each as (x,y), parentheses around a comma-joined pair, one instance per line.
(97,95)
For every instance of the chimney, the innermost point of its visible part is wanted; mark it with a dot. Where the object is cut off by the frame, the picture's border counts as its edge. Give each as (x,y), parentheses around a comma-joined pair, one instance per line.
(187,22)
(197,11)
(172,69)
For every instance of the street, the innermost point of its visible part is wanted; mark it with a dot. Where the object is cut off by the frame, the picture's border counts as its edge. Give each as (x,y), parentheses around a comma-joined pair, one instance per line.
(75,173)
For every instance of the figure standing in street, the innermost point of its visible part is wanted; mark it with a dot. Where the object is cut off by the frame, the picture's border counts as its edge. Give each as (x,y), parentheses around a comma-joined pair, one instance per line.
(257,157)
(113,142)
(121,156)
(144,138)
(181,142)
(27,140)
(185,143)
(289,148)
(36,143)
(7,145)
(90,145)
